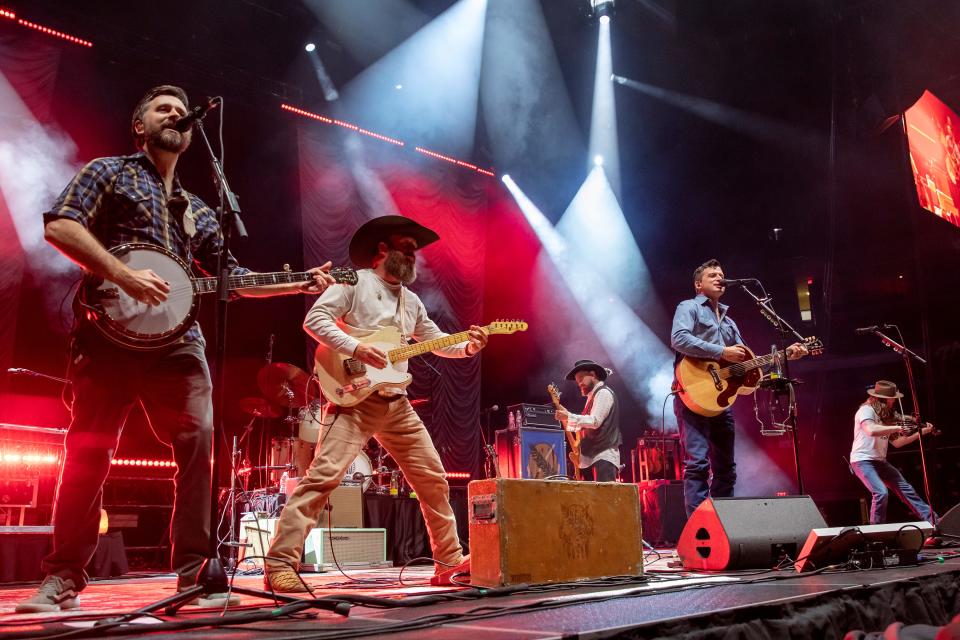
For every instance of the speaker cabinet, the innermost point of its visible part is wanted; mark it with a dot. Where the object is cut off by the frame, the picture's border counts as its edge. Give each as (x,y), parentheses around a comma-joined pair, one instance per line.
(949,524)
(531,453)
(747,533)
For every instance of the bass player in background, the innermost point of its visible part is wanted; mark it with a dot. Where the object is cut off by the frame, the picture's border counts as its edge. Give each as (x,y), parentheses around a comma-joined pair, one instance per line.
(385,249)
(702,329)
(113,201)
(599,425)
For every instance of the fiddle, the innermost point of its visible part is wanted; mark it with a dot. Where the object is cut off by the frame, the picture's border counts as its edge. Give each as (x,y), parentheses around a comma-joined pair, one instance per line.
(909,425)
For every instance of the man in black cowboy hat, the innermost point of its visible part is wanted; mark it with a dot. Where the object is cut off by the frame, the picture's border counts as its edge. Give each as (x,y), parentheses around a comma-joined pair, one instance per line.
(385,249)
(599,424)
(868,457)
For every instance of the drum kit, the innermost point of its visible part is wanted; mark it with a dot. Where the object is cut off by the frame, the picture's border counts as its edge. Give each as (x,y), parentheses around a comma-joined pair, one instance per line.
(287,389)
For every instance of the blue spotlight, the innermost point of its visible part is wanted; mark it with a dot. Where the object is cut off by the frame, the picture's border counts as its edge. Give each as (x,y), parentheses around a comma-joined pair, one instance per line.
(598,160)
(603,119)
(310,48)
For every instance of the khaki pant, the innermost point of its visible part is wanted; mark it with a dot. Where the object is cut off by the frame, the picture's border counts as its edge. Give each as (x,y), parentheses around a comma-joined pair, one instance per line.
(397,427)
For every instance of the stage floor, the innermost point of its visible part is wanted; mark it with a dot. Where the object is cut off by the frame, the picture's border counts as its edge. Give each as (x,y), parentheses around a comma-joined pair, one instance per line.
(636,608)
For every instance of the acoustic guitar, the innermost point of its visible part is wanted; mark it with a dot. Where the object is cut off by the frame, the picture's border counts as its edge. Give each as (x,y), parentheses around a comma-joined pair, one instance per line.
(708,387)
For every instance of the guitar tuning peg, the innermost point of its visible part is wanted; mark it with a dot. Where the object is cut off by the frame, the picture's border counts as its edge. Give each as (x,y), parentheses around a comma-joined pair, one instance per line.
(286,267)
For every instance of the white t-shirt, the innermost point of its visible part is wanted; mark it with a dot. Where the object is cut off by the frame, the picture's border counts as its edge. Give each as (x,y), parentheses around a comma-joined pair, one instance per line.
(865,446)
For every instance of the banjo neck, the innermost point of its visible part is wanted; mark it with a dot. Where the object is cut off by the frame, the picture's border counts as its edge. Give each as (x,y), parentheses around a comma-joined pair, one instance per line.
(247,281)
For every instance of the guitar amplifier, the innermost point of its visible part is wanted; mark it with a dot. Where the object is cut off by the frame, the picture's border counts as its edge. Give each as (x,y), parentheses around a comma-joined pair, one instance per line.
(531,453)
(656,458)
(536,531)
(532,415)
(353,547)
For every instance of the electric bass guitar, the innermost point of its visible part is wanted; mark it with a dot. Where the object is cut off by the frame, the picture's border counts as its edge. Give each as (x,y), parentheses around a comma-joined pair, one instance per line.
(346,381)
(573,437)
(708,387)
(136,325)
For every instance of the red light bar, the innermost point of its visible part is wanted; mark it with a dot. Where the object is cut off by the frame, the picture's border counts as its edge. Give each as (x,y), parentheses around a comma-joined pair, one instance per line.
(378,136)
(6,13)
(341,123)
(458,475)
(54,32)
(137,462)
(459,163)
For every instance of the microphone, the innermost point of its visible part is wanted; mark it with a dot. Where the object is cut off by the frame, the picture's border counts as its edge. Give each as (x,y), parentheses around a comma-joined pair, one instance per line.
(196,114)
(876,327)
(736,282)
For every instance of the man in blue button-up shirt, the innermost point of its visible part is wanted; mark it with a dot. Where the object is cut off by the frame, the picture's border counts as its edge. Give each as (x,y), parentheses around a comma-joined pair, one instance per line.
(702,328)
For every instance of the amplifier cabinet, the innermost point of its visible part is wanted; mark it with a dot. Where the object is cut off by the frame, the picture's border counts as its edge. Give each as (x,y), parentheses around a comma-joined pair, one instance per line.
(531,453)
(532,415)
(350,546)
(536,531)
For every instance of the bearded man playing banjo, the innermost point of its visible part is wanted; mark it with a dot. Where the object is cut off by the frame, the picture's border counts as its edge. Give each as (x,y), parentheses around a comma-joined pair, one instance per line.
(110,202)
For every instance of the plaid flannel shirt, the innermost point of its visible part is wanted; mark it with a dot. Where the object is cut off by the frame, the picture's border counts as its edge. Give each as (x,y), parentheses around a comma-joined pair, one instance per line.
(122,199)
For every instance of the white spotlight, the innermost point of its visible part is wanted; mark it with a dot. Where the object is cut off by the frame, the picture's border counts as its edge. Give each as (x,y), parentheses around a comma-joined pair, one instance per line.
(398,87)
(598,160)
(506,178)
(604,19)
(310,48)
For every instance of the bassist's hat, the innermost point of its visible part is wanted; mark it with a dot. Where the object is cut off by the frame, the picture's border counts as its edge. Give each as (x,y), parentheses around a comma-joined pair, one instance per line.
(884,389)
(588,365)
(363,245)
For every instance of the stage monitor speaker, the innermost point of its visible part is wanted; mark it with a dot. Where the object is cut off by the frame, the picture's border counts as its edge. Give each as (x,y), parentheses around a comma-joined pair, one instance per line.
(949,525)
(833,545)
(746,533)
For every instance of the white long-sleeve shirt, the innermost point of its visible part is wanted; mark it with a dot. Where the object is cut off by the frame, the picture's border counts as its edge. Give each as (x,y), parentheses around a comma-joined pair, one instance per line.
(343,312)
(600,401)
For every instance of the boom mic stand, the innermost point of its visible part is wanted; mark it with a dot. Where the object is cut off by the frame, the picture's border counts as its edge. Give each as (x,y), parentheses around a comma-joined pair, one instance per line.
(212,578)
(784,328)
(907,355)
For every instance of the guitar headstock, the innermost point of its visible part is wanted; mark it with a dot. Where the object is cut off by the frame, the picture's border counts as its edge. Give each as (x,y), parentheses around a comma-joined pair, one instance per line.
(554,394)
(344,275)
(814,345)
(506,326)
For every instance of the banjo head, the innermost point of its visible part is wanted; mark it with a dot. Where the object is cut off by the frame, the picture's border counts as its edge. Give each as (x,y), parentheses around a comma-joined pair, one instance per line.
(140,325)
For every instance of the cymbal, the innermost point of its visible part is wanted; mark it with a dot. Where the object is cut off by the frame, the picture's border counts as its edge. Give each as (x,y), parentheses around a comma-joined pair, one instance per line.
(259,407)
(283,383)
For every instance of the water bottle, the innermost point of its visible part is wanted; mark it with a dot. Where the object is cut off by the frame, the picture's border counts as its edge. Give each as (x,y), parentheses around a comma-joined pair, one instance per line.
(283,482)
(394,485)
(511,423)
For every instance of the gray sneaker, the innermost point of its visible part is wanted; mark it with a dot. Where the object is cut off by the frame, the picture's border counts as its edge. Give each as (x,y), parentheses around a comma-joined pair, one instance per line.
(55,594)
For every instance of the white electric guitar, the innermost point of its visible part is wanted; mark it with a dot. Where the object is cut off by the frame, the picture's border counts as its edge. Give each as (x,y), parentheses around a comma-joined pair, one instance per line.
(346,381)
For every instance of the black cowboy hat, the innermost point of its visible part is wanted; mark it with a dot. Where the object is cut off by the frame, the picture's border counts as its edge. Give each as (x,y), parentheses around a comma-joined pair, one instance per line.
(363,244)
(588,365)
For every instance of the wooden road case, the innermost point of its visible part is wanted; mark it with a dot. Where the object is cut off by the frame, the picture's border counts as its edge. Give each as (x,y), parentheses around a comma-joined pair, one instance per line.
(535,531)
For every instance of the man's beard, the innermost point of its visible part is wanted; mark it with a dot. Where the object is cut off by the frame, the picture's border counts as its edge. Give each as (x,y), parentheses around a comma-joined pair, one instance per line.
(169,140)
(398,266)
(587,388)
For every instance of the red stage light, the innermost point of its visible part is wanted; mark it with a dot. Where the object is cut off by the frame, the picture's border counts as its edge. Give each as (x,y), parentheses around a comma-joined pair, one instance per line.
(458,475)
(54,33)
(6,13)
(140,462)
(379,136)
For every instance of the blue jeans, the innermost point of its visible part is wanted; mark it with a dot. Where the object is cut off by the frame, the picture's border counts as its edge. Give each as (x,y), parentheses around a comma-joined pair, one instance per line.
(877,476)
(707,447)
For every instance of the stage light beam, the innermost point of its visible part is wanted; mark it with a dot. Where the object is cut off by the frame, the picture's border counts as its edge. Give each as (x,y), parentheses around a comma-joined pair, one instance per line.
(603,119)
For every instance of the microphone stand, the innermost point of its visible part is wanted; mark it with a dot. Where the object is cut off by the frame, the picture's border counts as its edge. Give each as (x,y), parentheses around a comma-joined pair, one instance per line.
(784,328)
(909,355)
(212,578)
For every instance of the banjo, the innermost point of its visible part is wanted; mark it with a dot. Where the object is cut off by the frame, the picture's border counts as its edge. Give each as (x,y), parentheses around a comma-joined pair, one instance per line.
(136,325)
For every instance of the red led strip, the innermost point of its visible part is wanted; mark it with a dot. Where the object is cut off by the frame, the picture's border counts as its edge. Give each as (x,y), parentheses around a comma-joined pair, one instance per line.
(458,475)
(54,33)
(139,462)
(28,458)
(6,13)
(399,143)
